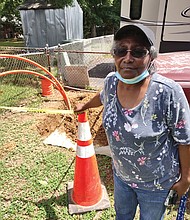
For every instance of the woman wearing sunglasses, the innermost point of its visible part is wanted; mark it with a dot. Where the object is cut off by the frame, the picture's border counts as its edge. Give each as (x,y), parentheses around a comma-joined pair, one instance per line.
(147,122)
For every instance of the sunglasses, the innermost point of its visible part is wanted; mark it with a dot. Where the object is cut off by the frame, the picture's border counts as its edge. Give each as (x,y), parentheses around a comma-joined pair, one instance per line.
(136,52)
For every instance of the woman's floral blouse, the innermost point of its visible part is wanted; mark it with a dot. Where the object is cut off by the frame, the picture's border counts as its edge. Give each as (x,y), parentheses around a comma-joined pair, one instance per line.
(144,140)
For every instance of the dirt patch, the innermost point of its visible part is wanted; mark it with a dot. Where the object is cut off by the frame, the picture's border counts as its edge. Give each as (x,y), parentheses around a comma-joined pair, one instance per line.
(45,124)
(8,147)
(68,123)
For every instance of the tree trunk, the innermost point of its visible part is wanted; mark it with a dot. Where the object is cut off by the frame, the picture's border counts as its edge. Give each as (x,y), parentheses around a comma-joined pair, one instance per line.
(93,31)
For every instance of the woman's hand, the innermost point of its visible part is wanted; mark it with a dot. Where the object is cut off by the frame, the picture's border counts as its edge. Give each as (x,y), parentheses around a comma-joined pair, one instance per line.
(181,187)
(79,108)
(183,184)
(92,103)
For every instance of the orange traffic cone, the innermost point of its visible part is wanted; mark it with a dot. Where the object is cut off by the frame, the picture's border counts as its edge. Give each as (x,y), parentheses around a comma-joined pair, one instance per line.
(86,193)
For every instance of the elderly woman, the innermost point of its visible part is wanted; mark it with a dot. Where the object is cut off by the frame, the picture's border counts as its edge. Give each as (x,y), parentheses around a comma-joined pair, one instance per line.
(147,121)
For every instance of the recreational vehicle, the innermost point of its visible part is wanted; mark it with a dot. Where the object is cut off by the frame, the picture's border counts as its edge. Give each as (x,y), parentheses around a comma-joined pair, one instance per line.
(169,19)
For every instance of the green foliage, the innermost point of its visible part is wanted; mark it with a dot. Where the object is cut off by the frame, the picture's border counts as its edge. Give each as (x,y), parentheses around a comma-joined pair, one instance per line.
(60,3)
(9,9)
(53,3)
(101,17)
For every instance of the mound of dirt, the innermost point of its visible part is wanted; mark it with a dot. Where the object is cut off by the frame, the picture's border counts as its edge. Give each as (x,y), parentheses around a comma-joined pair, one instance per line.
(68,123)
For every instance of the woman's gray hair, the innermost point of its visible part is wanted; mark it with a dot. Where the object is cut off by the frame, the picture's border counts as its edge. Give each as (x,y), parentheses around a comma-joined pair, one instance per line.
(114,46)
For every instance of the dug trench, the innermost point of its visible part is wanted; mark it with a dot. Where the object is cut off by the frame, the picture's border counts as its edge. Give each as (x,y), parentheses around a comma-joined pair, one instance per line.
(69,124)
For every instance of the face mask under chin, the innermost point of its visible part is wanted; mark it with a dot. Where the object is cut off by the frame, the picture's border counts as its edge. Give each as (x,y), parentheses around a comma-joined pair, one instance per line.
(134,80)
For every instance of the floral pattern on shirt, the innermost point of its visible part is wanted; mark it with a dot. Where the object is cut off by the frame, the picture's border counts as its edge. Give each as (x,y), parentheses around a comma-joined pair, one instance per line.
(144,140)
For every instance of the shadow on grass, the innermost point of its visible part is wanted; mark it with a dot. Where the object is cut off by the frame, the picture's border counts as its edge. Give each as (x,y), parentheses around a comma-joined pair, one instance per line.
(47,205)
(105,170)
(59,200)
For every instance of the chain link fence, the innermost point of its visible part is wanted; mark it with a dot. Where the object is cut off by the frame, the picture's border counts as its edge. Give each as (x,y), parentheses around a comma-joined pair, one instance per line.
(81,64)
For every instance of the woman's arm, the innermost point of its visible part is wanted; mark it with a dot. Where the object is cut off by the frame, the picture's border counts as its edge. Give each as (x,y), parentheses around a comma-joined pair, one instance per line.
(92,103)
(183,184)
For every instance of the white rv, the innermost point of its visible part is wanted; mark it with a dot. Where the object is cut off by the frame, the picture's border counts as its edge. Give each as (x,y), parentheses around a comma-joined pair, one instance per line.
(169,19)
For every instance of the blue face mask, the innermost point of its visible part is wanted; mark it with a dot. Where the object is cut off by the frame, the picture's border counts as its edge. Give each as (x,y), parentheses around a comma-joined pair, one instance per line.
(134,80)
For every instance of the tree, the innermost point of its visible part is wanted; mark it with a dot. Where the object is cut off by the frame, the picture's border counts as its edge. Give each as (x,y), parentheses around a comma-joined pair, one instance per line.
(10,20)
(53,3)
(101,17)
(10,17)
(8,9)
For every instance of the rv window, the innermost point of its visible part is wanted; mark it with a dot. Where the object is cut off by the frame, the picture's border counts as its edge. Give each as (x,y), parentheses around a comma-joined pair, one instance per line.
(135,9)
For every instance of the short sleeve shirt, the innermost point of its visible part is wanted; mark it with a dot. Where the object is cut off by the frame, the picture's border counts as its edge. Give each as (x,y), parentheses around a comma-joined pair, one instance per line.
(144,140)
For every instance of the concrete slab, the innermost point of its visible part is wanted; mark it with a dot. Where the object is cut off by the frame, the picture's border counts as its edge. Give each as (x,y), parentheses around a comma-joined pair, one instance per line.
(104,150)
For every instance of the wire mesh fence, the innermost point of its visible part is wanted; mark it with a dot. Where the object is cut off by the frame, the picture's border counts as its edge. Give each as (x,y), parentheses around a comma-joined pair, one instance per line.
(81,64)
(85,69)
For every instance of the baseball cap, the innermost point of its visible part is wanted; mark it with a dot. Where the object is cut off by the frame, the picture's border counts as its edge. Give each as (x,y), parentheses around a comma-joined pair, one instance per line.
(147,32)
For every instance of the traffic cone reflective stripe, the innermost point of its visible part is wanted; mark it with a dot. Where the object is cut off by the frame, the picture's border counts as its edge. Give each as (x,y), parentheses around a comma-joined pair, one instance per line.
(84,133)
(85,152)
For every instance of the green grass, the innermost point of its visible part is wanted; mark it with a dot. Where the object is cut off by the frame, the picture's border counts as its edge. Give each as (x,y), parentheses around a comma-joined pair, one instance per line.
(20,90)
(34,176)
(14,95)
(12,43)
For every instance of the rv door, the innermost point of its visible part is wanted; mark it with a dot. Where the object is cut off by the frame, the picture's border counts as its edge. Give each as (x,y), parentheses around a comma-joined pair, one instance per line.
(176,26)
